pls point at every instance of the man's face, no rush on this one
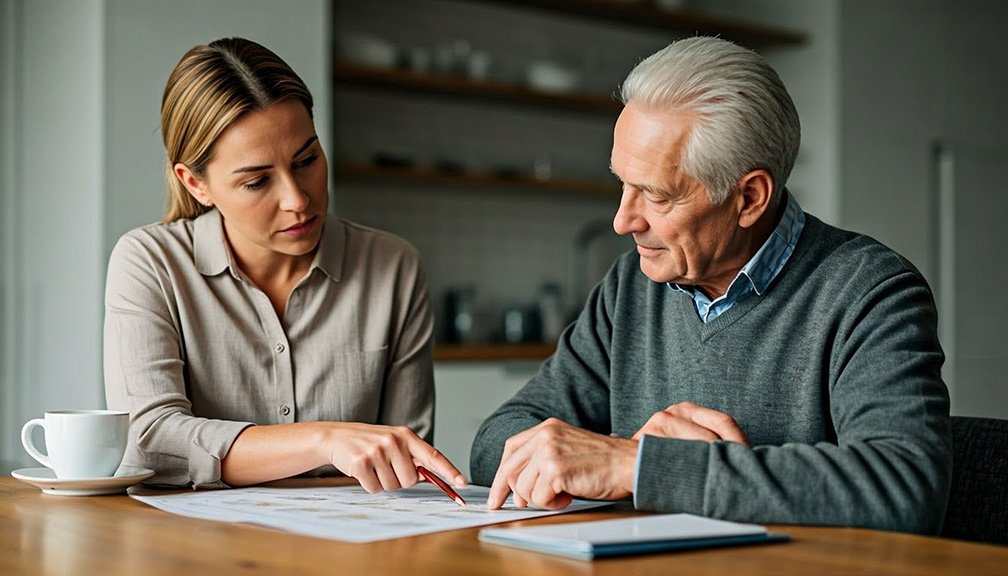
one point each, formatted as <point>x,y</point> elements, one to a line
<point>681,237</point>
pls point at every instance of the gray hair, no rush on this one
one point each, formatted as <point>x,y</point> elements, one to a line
<point>745,119</point>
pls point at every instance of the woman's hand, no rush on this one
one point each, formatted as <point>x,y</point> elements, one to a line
<point>379,457</point>
<point>384,457</point>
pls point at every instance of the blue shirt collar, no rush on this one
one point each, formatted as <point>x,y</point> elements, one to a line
<point>768,261</point>
<point>760,270</point>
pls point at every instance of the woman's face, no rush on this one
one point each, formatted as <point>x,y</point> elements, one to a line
<point>269,180</point>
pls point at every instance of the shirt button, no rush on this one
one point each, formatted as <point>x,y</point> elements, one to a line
<point>284,409</point>
<point>279,347</point>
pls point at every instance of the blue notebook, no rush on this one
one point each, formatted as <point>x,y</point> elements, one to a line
<point>634,535</point>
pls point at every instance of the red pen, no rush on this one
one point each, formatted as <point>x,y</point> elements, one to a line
<point>433,479</point>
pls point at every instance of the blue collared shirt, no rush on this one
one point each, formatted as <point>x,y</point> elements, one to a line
<point>759,271</point>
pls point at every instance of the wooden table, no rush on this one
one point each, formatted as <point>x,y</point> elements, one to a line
<point>44,534</point>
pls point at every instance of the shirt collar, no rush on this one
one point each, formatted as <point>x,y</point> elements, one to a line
<point>212,255</point>
<point>211,252</point>
<point>768,261</point>
<point>332,248</point>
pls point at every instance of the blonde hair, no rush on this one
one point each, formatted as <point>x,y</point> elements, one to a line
<point>212,86</point>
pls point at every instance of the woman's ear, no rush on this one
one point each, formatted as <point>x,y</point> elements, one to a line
<point>757,188</point>
<point>193,184</point>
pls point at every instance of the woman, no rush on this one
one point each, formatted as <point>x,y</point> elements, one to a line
<point>251,336</point>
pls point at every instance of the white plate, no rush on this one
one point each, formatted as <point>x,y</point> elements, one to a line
<point>45,478</point>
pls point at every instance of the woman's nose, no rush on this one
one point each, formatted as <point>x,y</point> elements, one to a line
<point>294,199</point>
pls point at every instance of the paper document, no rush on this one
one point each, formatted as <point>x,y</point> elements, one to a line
<point>637,535</point>
<point>348,512</point>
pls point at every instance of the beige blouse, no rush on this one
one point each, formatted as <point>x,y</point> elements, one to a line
<point>196,352</point>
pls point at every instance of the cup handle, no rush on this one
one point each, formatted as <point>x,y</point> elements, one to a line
<point>26,440</point>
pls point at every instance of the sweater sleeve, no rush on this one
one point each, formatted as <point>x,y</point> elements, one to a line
<point>572,385</point>
<point>890,464</point>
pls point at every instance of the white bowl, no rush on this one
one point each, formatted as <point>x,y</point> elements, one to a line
<point>549,76</point>
<point>367,50</point>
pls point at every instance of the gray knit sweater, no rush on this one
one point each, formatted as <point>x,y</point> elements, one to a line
<point>834,373</point>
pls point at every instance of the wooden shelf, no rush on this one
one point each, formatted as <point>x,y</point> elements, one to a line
<point>684,21</point>
<point>346,74</point>
<point>431,176</point>
<point>491,352</point>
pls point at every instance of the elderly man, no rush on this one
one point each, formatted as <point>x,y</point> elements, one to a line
<point>746,361</point>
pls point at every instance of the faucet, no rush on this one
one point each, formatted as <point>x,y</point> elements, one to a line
<point>585,237</point>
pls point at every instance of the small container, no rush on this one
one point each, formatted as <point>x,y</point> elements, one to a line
<point>542,167</point>
<point>478,65</point>
<point>521,324</point>
<point>460,315</point>
<point>420,59</point>
<point>551,312</point>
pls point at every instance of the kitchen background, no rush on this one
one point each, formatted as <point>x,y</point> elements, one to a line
<point>480,131</point>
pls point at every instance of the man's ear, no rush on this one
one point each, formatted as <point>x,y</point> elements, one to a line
<point>757,187</point>
<point>193,184</point>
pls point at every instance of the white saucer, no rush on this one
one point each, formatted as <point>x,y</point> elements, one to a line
<point>45,478</point>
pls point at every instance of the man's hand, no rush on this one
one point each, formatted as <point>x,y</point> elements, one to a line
<point>689,421</point>
<point>551,463</point>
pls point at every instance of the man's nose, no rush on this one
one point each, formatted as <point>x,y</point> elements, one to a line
<point>628,219</point>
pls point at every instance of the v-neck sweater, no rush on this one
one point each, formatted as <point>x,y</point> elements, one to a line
<point>834,374</point>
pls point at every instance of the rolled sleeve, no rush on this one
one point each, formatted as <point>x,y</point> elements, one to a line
<point>211,442</point>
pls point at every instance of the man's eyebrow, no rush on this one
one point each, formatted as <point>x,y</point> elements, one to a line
<point>297,153</point>
<point>654,190</point>
<point>645,187</point>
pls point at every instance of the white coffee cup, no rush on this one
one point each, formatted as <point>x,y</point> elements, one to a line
<point>80,443</point>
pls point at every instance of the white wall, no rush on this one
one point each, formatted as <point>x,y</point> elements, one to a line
<point>9,130</point>
<point>974,83</point>
<point>87,166</point>
<point>891,118</point>
<point>916,73</point>
<point>55,214</point>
